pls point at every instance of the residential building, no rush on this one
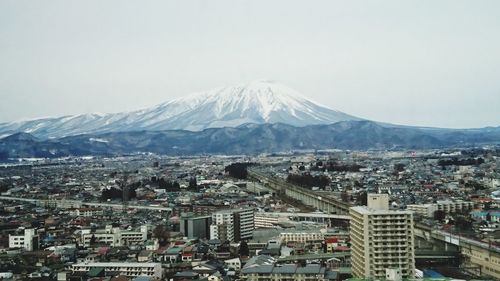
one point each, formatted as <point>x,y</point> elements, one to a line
<point>129,269</point>
<point>265,220</point>
<point>232,225</point>
<point>114,236</point>
<point>381,239</point>
<point>302,236</point>
<point>425,210</point>
<point>283,272</point>
<point>447,206</point>
<point>29,240</point>
<point>86,212</point>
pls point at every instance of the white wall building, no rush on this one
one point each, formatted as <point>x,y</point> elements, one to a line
<point>447,206</point>
<point>29,240</point>
<point>114,236</point>
<point>265,220</point>
<point>129,269</point>
<point>302,236</point>
<point>86,212</point>
<point>232,225</point>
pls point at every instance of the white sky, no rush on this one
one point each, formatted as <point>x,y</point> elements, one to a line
<point>423,62</point>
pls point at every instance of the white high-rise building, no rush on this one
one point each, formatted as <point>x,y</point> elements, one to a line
<point>381,239</point>
<point>232,225</point>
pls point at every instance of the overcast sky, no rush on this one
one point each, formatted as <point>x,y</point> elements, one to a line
<point>431,63</point>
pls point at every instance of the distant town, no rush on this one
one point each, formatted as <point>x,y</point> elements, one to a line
<point>306,215</point>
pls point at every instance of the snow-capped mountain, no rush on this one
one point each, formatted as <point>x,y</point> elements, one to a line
<point>257,102</point>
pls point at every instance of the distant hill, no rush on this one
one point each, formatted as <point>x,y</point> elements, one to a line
<point>249,139</point>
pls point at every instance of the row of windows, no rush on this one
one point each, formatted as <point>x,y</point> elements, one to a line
<point>87,268</point>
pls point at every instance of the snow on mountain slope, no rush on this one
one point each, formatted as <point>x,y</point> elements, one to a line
<point>256,102</point>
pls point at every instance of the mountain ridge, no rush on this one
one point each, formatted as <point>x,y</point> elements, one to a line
<point>250,139</point>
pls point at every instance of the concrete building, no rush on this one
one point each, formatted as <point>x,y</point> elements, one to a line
<point>447,206</point>
<point>265,220</point>
<point>86,212</point>
<point>129,269</point>
<point>381,239</point>
<point>232,225</point>
<point>222,226</point>
<point>195,226</point>
<point>425,210</point>
<point>114,236</point>
<point>244,224</point>
<point>29,241</point>
<point>283,272</point>
<point>302,236</point>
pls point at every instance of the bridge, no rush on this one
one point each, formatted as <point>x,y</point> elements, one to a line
<point>480,257</point>
<point>310,215</point>
<point>419,255</point>
<point>63,203</point>
<point>428,232</point>
<point>320,200</point>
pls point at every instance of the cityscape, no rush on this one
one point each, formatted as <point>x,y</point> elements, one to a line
<point>371,153</point>
<point>327,215</point>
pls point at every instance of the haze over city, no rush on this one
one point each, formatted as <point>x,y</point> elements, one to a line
<point>425,63</point>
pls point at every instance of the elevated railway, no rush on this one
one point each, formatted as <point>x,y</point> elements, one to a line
<point>319,200</point>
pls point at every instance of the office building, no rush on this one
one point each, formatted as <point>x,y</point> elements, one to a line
<point>195,226</point>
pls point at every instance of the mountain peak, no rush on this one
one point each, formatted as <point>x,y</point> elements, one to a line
<point>266,86</point>
<point>260,101</point>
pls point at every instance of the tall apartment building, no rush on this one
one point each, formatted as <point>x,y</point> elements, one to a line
<point>29,241</point>
<point>195,226</point>
<point>232,225</point>
<point>244,224</point>
<point>381,239</point>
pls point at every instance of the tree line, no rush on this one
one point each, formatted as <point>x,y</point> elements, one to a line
<point>333,166</point>
<point>307,180</point>
<point>461,162</point>
<point>238,170</point>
